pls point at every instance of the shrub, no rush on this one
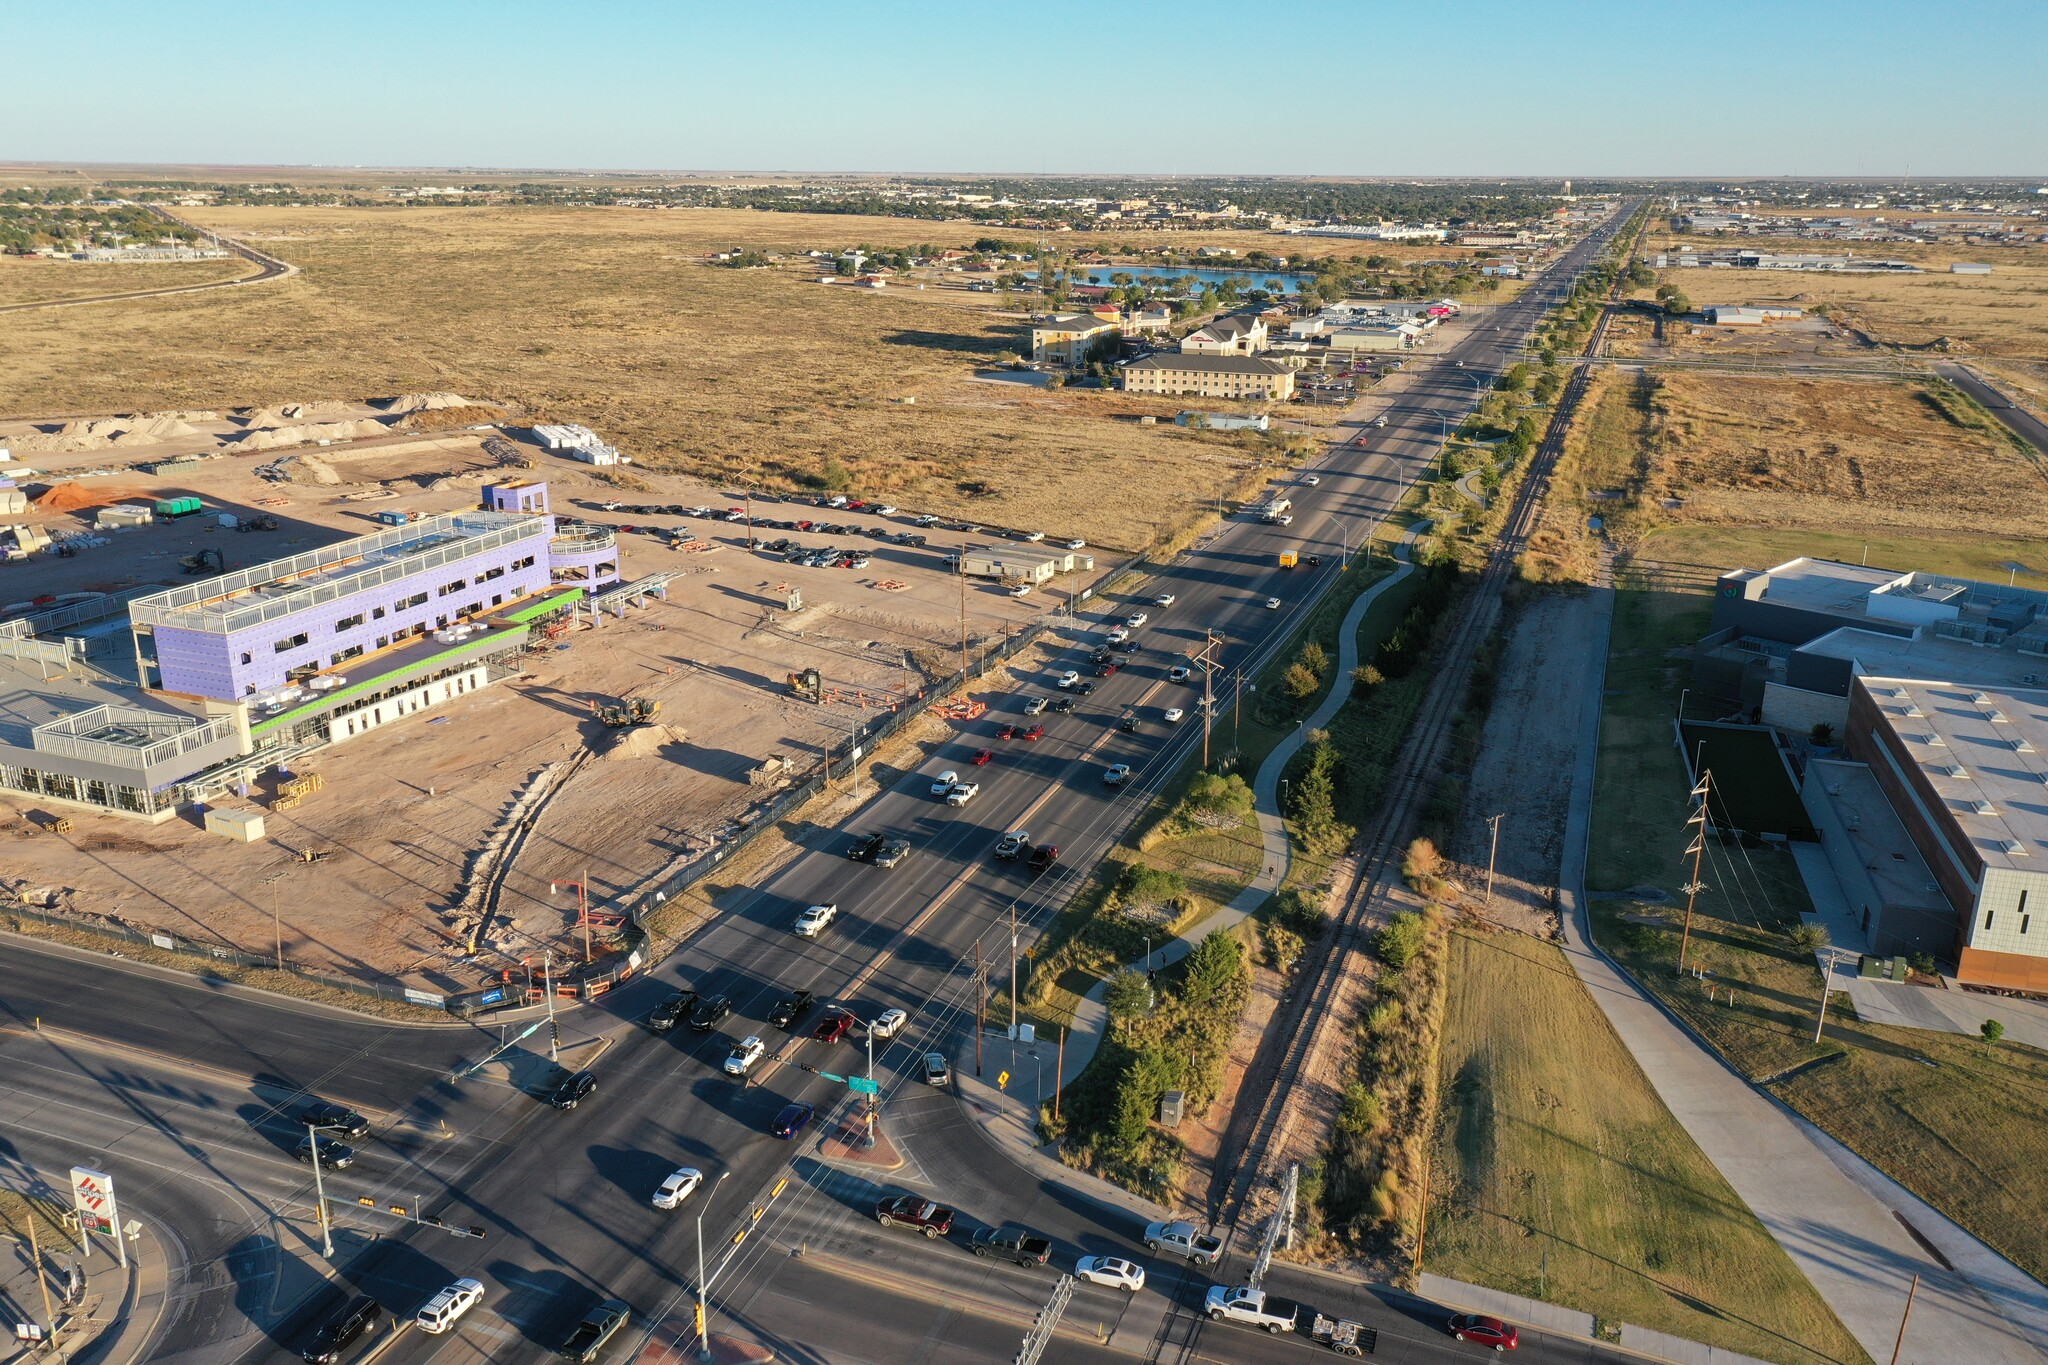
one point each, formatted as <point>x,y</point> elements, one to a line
<point>1808,938</point>
<point>1384,1019</point>
<point>1365,675</point>
<point>1300,682</point>
<point>1399,943</point>
<point>1283,947</point>
<point>1423,861</point>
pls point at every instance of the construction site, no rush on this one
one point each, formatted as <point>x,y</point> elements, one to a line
<point>211,652</point>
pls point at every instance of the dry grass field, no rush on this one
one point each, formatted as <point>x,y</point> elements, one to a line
<point>609,317</point>
<point>2003,314</point>
<point>30,279</point>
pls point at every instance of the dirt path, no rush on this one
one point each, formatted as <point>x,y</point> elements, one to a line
<point>1525,762</point>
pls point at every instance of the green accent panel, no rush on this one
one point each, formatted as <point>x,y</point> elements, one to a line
<point>542,608</point>
<point>432,661</point>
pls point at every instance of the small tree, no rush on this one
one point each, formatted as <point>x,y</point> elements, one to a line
<point>1808,938</point>
<point>1822,734</point>
<point>1129,995</point>
<point>1992,1031</point>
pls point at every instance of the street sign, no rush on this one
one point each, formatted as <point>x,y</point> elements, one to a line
<point>862,1085</point>
<point>1002,1080</point>
<point>830,1077</point>
<point>92,1194</point>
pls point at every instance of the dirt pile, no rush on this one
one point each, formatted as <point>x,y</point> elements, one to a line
<point>447,419</point>
<point>306,433</point>
<point>78,497</point>
<point>644,741</point>
<point>419,402</point>
<point>104,433</point>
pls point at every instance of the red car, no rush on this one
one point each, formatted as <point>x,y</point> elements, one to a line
<point>803,526</point>
<point>1043,857</point>
<point>1035,732</point>
<point>855,505</point>
<point>1486,1331</point>
<point>833,1027</point>
<point>1010,732</point>
<point>1106,669</point>
<point>915,1213</point>
<point>984,756</point>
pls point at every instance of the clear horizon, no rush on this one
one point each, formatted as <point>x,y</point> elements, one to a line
<point>1322,88</point>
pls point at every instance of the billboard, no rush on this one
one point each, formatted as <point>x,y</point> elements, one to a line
<point>92,1194</point>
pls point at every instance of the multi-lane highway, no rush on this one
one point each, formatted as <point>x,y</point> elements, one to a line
<point>563,1196</point>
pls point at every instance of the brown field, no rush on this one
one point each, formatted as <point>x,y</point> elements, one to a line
<point>30,279</point>
<point>2003,314</point>
<point>608,317</point>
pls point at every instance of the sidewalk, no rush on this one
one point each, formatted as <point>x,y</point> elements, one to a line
<point>117,1318</point>
<point>1832,1212</point>
<point>1009,1115</point>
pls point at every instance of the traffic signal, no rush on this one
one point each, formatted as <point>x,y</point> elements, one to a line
<point>699,1326</point>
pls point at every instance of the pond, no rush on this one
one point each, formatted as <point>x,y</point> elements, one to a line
<point>1246,279</point>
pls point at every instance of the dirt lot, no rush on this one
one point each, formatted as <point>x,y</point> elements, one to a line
<point>610,317</point>
<point>400,825</point>
<point>2003,314</point>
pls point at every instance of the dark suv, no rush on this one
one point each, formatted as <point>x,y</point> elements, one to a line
<point>671,1011</point>
<point>349,1325</point>
<point>709,1014</point>
<point>574,1089</point>
<point>337,1119</point>
<point>789,1009</point>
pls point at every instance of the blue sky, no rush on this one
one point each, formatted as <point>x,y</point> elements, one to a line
<point>1297,87</point>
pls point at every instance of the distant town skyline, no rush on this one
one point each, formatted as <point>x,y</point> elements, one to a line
<point>1203,87</point>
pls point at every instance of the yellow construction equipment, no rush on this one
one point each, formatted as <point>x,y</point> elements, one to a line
<point>632,711</point>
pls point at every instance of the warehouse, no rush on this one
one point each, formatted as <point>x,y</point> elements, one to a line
<point>1752,315</point>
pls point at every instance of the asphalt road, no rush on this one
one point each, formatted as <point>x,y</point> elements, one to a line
<point>563,1196</point>
<point>2018,420</point>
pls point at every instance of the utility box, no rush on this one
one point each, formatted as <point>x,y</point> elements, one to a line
<point>1172,1107</point>
<point>394,518</point>
<point>243,826</point>
<point>1900,969</point>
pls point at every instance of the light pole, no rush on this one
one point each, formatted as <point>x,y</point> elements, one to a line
<point>276,924</point>
<point>547,977</point>
<point>703,1289</point>
<point>319,1194</point>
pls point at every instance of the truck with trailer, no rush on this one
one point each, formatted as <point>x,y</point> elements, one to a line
<point>1253,1308</point>
<point>1274,508</point>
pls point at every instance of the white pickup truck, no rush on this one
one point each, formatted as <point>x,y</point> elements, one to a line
<point>1253,1308</point>
<point>1186,1241</point>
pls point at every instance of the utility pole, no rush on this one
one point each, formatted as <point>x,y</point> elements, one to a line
<point>1901,1340</point>
<point>960,570</point>
<point>547,976</point>
<point>1827,981</point>
<point>1058,1074</point>
<point>703,1289</point>
<point>35,1250</point>
<point>1493,855</point>
<point>980,999</point>
<point>319,1195</point>
<point>1698,850</point>
<point>276,923</point>
<point>1013,969</point>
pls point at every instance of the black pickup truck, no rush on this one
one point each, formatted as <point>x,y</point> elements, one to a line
<point>1013,1243</point>
<point>599,1326</point>
<point>789,1009</point>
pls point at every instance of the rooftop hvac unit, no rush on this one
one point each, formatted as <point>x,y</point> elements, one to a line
<point>1935,741</point>
<point>1998,718</point>
<point>1958,770</point>
<point>1984,808</point>
<point>1981,698</point>
<point>2014,848</point>
<point>2023,746</point>
<point>1915,711</point>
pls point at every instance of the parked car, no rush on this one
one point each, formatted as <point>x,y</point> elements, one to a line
<point>680,1185</point>
<point>709,1014</point>
<point>1486,1331</point>
<point>337,1119</point>
<point>792,1120</point>
<point>671,1011</point>
<point>1021,590</point>
<point>814,919</point>
<point>440,1313</point>
<point>1076,544</point>
<point>342,1329</point>
<point>833,1028</point>
<point>1015,844</point>
<point>789,1009</point>
<point>588,1337</point>
<point>1113,1271</point>
<point>943,784</point>
<point>888,1024</point>
<point>573,1089</point>
<point>336,1156</point>
<point>744,1054</point>
<point>936,1071</point>
<point>916,1213</point>
<point>962,793</point>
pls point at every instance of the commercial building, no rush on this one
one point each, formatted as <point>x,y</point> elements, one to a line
<point>1234,334</point>
<point>1751,315</point>
<point>1073,339</point>
<point>1210,376</point>
<point>1393,336</point>
<point>1969,268</point>
<point>578,443</point>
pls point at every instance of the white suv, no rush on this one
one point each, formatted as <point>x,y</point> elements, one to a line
<point>441,1311</point>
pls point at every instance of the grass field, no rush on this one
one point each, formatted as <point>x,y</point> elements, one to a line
<point>2004,313</point>
<point>27,279</point>
<point>1560,1174</point>
<point>1963,1127</point>
<point>609,317</point>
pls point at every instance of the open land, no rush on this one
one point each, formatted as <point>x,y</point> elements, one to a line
<point>34,279</point>
<point>400,826</point>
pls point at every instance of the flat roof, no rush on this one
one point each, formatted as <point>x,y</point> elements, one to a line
<point>1929,657</point>
<point>1882,845</point>
<point>1827,585</point>
<point>267,591</point>
<point>1984,749</point>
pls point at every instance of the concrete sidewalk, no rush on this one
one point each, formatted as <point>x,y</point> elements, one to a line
<point>1009,1114</point>
<point>1840,1219</point>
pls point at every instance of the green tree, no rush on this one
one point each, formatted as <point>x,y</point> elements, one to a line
<point>1129,995</point>
<point>1808,938</point>
<point>1678,304</point>
<point>1214,980</point>
<point>1992,1031</point>
<point>1401,941</point>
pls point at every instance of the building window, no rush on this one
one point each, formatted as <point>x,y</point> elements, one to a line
<point>348,623</point>
<point>383,640</point>
<point>418,599</point>
<point>377,613</point>
<point>2022,907</point>
<point>1989,915</point>
<point>287,645</point>
<point>457,586</point>
<point>2025,920</point>
<point>247,657</point>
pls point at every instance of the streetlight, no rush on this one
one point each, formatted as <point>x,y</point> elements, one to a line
<point>320,1192</point>
<point>703,1289</point>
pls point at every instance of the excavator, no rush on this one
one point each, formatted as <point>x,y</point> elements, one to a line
<point>632,711</point>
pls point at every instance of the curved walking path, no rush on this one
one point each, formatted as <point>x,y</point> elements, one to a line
<point>1837,1216</point>
<point>1008,1118</point>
